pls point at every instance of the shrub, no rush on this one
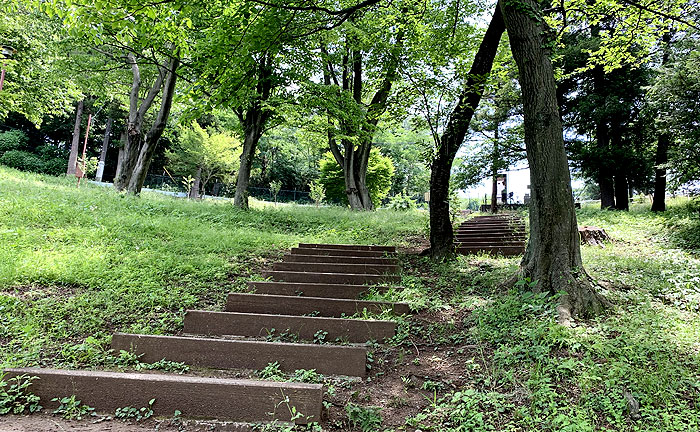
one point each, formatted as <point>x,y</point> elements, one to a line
<point>13,140</point>
<point>380,171</point>
<point>22,160</point>
<point>402,202</point>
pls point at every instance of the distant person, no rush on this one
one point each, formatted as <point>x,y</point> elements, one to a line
<point>510,197</point>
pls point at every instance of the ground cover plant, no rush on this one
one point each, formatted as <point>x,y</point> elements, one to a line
<point>475,356</point>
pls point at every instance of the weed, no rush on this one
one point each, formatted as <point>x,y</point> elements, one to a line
<point>71,408</point>
<point>367,419</point>
<point>138,414</point>
<point>17,399</point>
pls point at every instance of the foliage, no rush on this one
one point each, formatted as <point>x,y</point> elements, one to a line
<point>367,419</point>
<point>13,140</point>
<point>138,414</point>
<point>275,187</point>
<point>402,202</point>
<point>380,171</point>
<point>90,167</point>
<point>71,409</point>
<point>17,399</point>
<point>318,192</point>
<point>21,160</point>
<point>216,154</point>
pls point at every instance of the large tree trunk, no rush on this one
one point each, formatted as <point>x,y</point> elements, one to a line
<point>622,201</point>
<point>253,121</point>
<point>253,132</point>
<point>128,155</point>
<point>659,203</point>
<point>441,234</point>
<point>664,141</point>
<point>103,153</point>
<point>553,255</point>
<point>75,143</point>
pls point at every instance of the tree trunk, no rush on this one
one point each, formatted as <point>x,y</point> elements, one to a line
<point>441,234</point>
<point>75,143</point>
<point>253,132</point>
<point>494,172</point>
<point>145,155</point>
<point>103,153</point>
<point>621,190</point>
<point>659,203</point>
<point>607,191</point>
<point>602,137</point>
<point>194,190</point>
<point>553,255</point>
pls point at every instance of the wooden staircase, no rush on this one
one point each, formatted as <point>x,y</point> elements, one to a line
<point>497,235</point>
<point>309,294</point>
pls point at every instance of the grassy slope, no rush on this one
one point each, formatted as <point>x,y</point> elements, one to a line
<point>77,264</point>
<point>83,263</point>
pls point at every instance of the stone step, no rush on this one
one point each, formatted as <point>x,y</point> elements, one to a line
<point>376,269</point>
<point>332,278</point>
<point>306,328</point>
<point>293,305</point>
<point>495,250</point>
<point>244,354</point>
<point>195,397</point>
<point>340,252</point>
<point>338,259</point>
<point>376,248</point>
<point>340,291</point>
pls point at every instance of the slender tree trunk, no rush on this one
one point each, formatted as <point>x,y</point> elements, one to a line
<point>194,191</point>
<point>441,234</point>
<point>494,172</point>
<point>659,203</point>
<point>553,256</point>
<point>103,153</point>
<point>75,143</point>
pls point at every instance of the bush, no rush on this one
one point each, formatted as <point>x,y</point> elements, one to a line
<point>22,160</point>
<point>13,140</point>
<point>380,171</point>
<point>402,202</point>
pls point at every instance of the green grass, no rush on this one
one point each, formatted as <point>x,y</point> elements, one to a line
<point>78,264</point>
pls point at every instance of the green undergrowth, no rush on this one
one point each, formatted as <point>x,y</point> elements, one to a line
<point>635,368</point>
<point>79,264</point>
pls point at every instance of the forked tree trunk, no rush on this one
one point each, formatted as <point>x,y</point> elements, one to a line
<point>553,254</point>
<point>103,153</point>
<point>75,143</point>
<point>441,234</point>
<point>145,154</point>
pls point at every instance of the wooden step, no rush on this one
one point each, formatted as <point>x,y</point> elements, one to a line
<point>389,249</point>
<point>292,305</point>
<point>243,354</point>
<point>338,259</point>
<point>340,291</point>
<point>306,328</point>
<point>495,250</point>
<point>490,231</point>
<point>332,278</point>
<point>340,252</point>
<point>377,269</point>
<point>194,397</point>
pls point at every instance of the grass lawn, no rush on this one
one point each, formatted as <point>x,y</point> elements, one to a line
<point>76,265</point>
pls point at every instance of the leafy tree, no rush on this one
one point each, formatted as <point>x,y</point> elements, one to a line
<point>275,187</point>
<point>318,192</point>
<point>380,171</point>
<point>205,156</point>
